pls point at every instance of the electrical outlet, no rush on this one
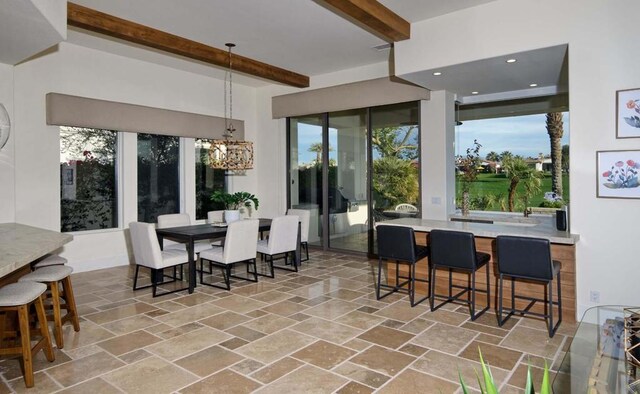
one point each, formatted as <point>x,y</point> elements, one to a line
<point>594,296</point>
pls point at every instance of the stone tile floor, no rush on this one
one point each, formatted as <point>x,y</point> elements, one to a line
<point>319,331</point>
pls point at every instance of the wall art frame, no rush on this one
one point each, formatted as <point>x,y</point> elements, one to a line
<point>617,174</point>
<point>628,113</point>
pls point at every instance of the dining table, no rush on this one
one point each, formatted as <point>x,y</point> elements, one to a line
<point>198,232</point>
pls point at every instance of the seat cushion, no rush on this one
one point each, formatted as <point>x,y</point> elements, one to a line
<point>263,246</point>
<point>52,273</point>
<point>175,246</point>
<point>482,258</point>
<point>173,257</point>
<point>21,293</point>
<point>50,260</point>
<point>421,252</point>
<point>200,246</point>
<point>212,254</point>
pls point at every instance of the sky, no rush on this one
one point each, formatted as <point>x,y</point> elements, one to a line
<point>521,135</point>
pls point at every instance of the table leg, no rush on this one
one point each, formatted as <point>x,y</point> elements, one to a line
<point>192,266</point>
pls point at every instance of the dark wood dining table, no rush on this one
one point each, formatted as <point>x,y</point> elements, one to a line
<point>190,234</point>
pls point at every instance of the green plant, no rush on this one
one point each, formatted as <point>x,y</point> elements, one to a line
<point>552,204</point>
<point>491,388</point>
<point>233,201</point>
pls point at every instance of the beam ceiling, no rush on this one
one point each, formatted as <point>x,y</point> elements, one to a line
<point>371,16</point>
<point>99,22</point>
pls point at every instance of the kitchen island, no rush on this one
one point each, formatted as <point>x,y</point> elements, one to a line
<point>562,249</point>
<point>21,244</point>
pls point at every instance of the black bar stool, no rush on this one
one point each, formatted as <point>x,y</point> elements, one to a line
<point>398,244</point>
<point>456,251</point>
<point>530,259</point>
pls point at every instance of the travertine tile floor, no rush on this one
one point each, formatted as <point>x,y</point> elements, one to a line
<point>317,331</point>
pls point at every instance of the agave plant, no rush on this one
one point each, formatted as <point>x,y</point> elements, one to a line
<point>489,386</point>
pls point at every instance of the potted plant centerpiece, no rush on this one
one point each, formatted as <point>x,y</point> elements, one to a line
<point>233,202</point>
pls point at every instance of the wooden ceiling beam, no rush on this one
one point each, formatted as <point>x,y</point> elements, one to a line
<point>373,17</point>
<point>99,22</point>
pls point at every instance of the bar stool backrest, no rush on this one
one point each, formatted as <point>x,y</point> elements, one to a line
<point>456,249</point>
<point>396,243</point>
<point>524,257</point>
<point>146,248</point>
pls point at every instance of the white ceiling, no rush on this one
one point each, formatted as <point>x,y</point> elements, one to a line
<point>304,37</point>
<point>298,35</point>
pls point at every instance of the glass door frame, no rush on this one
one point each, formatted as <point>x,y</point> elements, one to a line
<point>369,181</point>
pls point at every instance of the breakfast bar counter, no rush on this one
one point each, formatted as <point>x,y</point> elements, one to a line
<point>21,244</point>
<point>562,249</point>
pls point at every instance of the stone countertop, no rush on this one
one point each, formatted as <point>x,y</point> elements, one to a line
<point>542,229</point>
<point>21,244</point>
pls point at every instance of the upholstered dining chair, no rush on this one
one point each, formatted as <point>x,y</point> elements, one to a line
<point>282,241</point>
<point>147,253</point>
<point>177,220</point>
<point>239,247</point>
<point>305,217</point>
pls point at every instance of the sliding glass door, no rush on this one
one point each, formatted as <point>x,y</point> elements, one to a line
<point>362,165</point>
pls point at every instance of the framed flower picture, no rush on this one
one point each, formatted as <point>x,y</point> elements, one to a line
<point>628,113</point>
<point>618,173</point>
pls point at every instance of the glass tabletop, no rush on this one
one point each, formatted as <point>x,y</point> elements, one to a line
<point>595,361</point>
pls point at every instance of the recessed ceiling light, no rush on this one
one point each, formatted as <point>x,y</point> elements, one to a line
<point>474,92</point>
<point>533,85</point>
<point>512,60</point>
<point>437,73</point>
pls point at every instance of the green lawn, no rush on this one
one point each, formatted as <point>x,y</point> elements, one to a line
<point>498,185</point>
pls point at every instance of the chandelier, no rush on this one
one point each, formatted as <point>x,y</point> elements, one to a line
<point>228,153</point>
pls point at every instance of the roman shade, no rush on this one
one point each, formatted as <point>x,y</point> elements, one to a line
<point>371,93</point>
<point>66,110</point>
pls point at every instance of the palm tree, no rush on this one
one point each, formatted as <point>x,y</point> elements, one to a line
<point>517,170</point>
<point>492,156</point>
<point>554,128</point>
<point>505,155</point>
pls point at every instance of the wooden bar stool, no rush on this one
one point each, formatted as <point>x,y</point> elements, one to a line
<point>50,260</point>
<point>51,276</point>
<point>18,297</point>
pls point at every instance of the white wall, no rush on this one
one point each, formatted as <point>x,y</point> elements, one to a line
<point>7,174</point>
<point>601,61</point>
<point>437,156</point>
<point>90,73</point>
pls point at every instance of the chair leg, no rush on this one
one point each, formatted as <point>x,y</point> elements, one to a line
<point>27,360</point>
<point>44,330</point>
<point>71,303</point>
<point>379,278</point>
<point>473,295</point>
<point>135,278</point>
<point>57,319</point>
<point>500,292</point>
<point>432,288</point>
<point>228,277</point>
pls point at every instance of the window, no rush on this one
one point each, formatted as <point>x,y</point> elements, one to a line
<point>515,148</point>
<point>207,180</point>
<point>158,176</point>
<point>88,179</point>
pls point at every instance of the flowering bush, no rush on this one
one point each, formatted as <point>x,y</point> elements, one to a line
<point>622,175</point>
<point>634,120</point>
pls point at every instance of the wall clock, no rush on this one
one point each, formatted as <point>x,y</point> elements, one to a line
<point>5,126</point>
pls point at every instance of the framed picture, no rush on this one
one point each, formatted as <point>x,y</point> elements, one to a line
<point>628,113</point>
<point>617,172</point>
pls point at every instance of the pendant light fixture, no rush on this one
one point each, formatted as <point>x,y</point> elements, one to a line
<point>228,153</point>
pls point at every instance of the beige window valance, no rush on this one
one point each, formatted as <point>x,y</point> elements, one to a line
<point>66,110</point>
<point>371,93</point>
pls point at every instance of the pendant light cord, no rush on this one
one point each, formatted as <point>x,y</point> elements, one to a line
<point>229,120</point>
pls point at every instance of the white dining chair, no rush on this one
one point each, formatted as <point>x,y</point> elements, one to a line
<point>239,247</point>
<point>283,240</point>
<point>178,220</point>
<point>215,216</point>
<point>147,253</point>
<point>305,217</point>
